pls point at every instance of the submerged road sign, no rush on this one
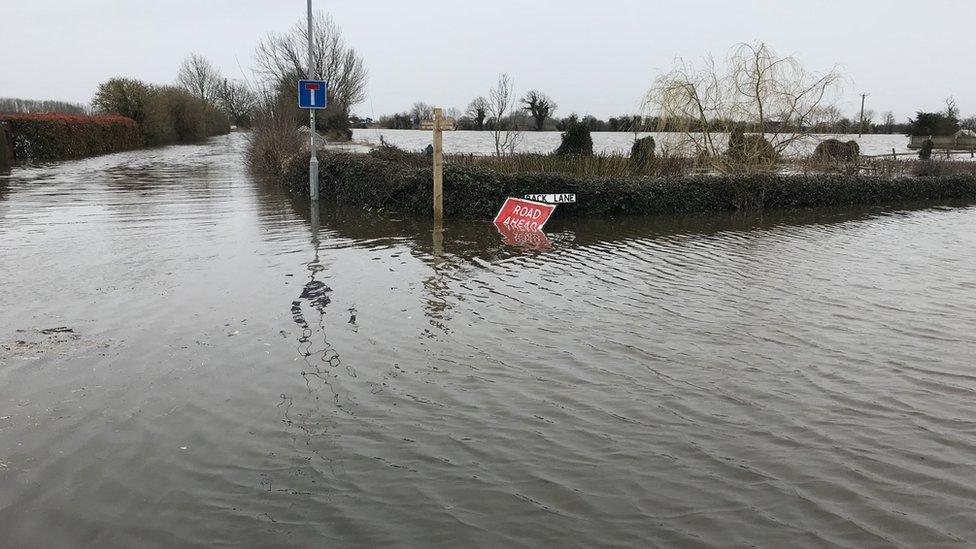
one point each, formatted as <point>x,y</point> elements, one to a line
<point>535,240</point>
<point>523,215</point>
<point>311,94</point>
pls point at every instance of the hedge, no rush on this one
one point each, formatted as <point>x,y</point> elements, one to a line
<point>58,136</point>
<point>477,193</point>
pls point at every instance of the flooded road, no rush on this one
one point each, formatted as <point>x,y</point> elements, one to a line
<point>482,142</point>
<point>189,357</point>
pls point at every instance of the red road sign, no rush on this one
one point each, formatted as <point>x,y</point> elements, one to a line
<point>312,86</point>
<point>523,215</point>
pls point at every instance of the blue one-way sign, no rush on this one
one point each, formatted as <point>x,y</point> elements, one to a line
<point>311,94</point>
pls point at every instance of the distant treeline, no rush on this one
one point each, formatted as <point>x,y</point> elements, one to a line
<point>531,117</point>
<point>634,123</point>
<point>14,105</point>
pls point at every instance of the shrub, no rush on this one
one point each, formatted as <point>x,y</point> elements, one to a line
<point>124,97</point>
<point>57,136</point>
<point>186,113</point>
<point>750,149</point>
<point>642,152</point>
<point>925,152</point>
<point>576,140</point>
<point>273,139</point>
<point>165,114</point>
<point>834,149</point>
<point>333,123</point>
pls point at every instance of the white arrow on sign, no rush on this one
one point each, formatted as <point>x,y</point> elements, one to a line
<point>311,88</point>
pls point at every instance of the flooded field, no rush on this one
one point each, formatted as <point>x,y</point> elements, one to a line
<point>190,357</point>
<point>472,142</point>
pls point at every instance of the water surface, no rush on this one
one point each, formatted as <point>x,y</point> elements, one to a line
<point>475,142</point>
<point>190,357</point>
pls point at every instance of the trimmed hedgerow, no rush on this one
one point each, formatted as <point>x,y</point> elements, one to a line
<point>57,136</point>
<point>477,193</point>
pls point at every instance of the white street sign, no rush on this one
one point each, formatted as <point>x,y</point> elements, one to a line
<point>564,198</point>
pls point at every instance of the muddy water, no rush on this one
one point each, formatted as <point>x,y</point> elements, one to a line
<point>189,357</point>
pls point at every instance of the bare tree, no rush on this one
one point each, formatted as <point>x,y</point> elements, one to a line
<point>952,109</point>
<point>200,77</point>
<point>867,121</point>
<point>419,112</point>
<point>889,121</point>
<point>478,111</point>
<point>238,101</point>
<point>757,90</point>
<point>282,56</point>
<point>540,106</point>
<point>501,100</point>
<point>826,118</point>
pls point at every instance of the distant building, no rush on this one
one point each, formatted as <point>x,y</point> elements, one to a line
<point>963,140</point>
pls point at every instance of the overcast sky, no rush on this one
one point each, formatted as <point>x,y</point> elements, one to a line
<point>591,56</point>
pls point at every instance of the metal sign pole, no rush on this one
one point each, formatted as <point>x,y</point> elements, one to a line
<point>313,161</point>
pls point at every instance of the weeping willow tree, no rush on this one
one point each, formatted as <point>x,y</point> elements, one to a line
<point>750,111</point>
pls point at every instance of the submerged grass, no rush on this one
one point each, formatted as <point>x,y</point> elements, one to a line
<point>886,167</point>
<point>597,165</point>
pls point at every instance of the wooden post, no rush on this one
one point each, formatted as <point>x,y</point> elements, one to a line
<point>4,165</point>
<point>438,168</point>
<point>894,155</point>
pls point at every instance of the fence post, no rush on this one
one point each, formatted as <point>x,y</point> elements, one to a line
<point>438,168</point>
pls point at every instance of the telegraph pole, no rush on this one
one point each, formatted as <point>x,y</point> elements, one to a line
<point>313,161</point>
<point>860,129</point>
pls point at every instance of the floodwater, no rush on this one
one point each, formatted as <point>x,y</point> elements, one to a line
<point>473,142</point>
<point>191,358</point>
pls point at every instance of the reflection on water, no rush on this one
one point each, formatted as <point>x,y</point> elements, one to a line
<point>271,374</point>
